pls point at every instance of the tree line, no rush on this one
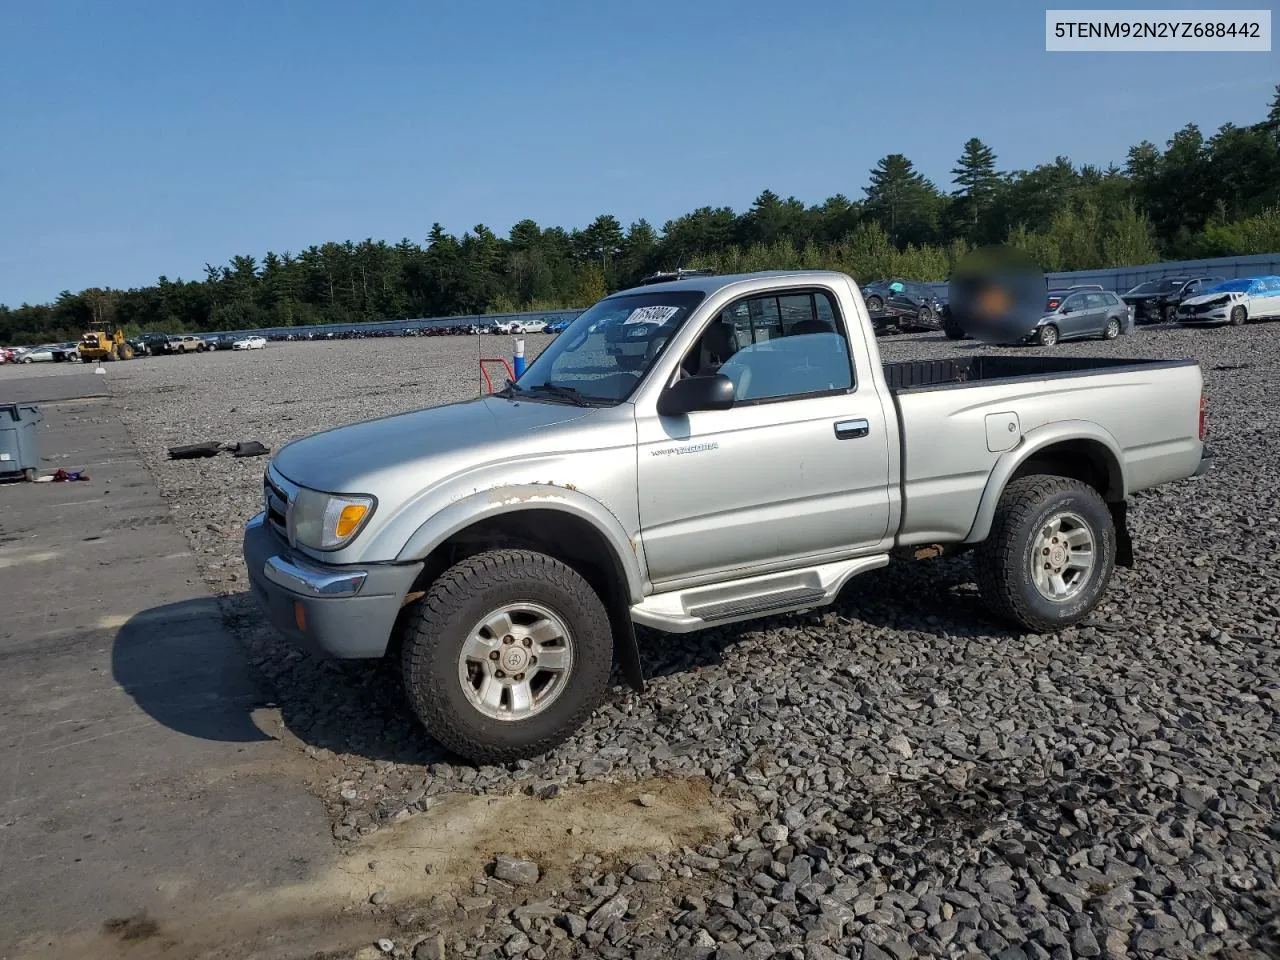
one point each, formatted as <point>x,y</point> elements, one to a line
<point>1196,197</point>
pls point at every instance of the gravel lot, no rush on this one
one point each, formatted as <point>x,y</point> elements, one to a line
<point>904,776</point>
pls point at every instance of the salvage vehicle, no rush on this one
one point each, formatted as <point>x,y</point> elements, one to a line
<point>1085,313</point>
<point>903,304</point>
<point>1234,302</point>
<point>187,343</point>
<point>250,343</point>
<point>1156,301</point>
<point>501,550</point>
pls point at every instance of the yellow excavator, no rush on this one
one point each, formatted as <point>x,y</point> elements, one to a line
<point>102,343</point>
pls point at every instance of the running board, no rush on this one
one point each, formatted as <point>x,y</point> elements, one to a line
<point>682,611</point>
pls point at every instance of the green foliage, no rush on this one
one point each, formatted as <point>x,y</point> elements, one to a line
<point>1195,197</point>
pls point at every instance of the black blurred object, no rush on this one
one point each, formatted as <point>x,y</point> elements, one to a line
<point>997,294</point>
<point>191,451</point>
<point>248,448</point>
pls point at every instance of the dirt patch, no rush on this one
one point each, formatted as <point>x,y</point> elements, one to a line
<point>461,833</point>
<point>437,851</point>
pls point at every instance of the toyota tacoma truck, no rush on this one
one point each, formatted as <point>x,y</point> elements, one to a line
<point>500,551</point>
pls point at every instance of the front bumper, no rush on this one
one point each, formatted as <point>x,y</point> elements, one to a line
<point>1216,315</point>
<point>336,611</point>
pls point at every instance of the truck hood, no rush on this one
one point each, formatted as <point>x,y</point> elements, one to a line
<point>351,459</point>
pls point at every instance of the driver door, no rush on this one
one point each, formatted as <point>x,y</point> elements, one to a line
<point>1073,316</point>
<point>794,472</point>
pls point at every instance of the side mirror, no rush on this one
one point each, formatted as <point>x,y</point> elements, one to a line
<point>696,393</point>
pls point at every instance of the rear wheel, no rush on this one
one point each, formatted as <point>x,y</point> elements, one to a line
<point>1238,316</point>
<point>29,474</point>
<point>1170,313</point>
<point>506,656</point>
<point>1047,335</point>
<point>1050,554</point>
<point>1112,329</point>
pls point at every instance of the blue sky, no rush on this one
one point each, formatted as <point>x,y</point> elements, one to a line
<point>142,139</point>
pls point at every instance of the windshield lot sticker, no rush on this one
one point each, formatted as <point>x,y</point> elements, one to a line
<point>691,448</point>
<point>659,314</point>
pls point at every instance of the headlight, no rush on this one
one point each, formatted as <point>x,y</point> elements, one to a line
<point>325,521</point>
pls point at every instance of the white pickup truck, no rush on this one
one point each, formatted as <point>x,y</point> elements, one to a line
<point>756,456</point>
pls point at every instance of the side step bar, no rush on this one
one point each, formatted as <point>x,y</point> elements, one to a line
<point>682,611</point>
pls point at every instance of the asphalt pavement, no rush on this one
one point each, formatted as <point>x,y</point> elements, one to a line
<point>135,776</point>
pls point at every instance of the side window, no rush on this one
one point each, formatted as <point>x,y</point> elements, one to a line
<point>1073,302</point>
<point>799,350</point>
<point>1096,301</point>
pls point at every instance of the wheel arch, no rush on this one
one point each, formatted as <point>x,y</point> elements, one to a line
<point>570,528</point>
<point>1080,450</point>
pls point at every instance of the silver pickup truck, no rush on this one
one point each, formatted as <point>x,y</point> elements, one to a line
<point>694,453</point>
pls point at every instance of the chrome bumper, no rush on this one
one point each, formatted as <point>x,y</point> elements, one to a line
<point>293,574</point>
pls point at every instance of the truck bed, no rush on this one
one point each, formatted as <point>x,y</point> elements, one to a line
<point>911,376</point>
<point>958,416</point>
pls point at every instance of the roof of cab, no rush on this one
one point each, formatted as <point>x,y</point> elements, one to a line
<point>712,283</point>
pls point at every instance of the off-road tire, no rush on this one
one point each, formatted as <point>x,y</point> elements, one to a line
<point>1238,316</point>
<point>440,622</point>
<point>1002,562</point>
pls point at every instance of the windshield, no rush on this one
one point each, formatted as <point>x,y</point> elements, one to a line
<point>606,351</point>
<point>1157,286</point>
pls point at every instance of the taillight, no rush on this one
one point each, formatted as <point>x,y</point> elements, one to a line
<point>1204,405</point>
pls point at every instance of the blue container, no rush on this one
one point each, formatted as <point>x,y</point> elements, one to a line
<point>18,451</point>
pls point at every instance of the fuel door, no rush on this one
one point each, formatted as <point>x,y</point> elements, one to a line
<point>1003,432</point>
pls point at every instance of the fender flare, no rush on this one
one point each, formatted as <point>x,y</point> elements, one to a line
<point>1034,442</point>
<point>514,498</point>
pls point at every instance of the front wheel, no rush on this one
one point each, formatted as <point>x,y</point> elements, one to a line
<point>1047,336</point>
<point>507,655</point>
<point>1238,316</point>
<point>925,318</point>
<point>1050,554</point>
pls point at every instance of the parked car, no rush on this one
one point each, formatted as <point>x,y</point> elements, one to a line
<point>250,343</point>
<point>505,546</point>
<point>7,354</point>
<point>903,304</point>
<point>41,354</point>
<point>517,327</point>
<point>1234,302</point>
<point>1156,301</point>
<point>187,343</point>
<point>157,343</point>
<point>1085,313</point>
<point>556,326</point>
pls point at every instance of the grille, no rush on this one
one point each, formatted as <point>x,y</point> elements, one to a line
<point>277,503</point>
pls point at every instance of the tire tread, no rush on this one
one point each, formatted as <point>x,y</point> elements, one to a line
<point>454,588</point>
<point>997,557</point>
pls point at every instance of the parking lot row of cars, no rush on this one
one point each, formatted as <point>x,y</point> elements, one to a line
<point>146,345</point>
<point>1088,310</point>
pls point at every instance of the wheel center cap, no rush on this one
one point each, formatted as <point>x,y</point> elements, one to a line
<point>515,659</point>
<point>1057,557</point>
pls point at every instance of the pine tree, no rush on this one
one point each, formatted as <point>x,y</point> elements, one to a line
<point>976,179</point>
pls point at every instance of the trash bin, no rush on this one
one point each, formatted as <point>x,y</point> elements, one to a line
<point>18,452</point>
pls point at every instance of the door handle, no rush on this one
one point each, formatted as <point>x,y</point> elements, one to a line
<point>852,429</point>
